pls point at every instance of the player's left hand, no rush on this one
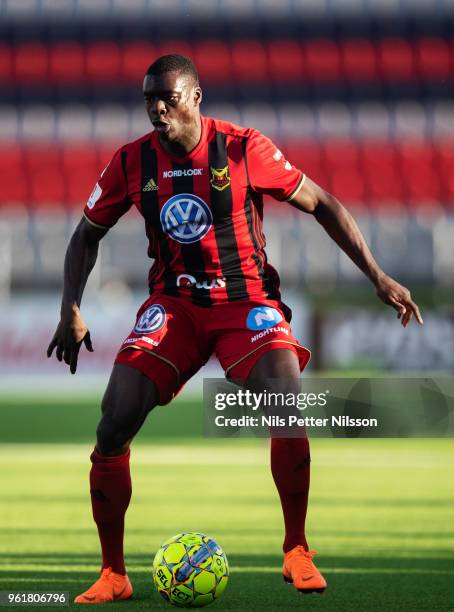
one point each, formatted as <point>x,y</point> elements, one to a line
<point>399,297</point>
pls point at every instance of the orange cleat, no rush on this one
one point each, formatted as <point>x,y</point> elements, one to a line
<point>300,571</point>
<point>109,587</point>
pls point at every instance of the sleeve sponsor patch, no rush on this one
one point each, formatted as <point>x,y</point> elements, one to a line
<point>95,195</point>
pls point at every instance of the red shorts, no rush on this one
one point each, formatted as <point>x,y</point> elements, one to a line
<point>173,338</point>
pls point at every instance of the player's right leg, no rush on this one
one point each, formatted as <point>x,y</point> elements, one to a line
<point>165,348</point>
<point>129,397</point>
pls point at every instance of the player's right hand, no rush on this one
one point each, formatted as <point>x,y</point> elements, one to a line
<point>71,332</point>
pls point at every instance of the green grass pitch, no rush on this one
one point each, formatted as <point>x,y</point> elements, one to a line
<point>380,514</point>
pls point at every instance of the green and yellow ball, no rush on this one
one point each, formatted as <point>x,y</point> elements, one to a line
<point>190,569</point>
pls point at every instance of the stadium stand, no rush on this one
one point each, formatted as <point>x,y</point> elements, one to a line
<point>356,93</point>
<point>422,60</point>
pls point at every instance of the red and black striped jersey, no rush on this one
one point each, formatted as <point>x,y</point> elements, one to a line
<point>203,213</point>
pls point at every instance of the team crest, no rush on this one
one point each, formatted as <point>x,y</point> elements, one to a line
<point>220,178</point>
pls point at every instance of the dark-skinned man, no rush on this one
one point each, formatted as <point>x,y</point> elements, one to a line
<point>199,184</point>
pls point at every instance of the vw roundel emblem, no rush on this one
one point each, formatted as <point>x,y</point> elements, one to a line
<point>186,218</point>
<point>151,320</point>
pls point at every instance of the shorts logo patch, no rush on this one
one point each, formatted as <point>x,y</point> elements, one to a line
<point>186,218</point>
<point>151,320</point>
<point>263,317</point>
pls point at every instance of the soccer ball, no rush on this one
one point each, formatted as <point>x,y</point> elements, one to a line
<point>190,569</point>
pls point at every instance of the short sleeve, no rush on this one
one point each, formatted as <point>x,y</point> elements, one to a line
<point>109,199</point>
<point>269,172</point>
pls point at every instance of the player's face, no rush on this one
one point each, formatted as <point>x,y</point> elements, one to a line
<point>172,102</point>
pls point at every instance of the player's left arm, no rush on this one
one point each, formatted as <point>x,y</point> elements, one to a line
<point>343,229</point>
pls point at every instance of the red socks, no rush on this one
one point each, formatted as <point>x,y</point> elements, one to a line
<point>290,466</point>
<point>110,488</point>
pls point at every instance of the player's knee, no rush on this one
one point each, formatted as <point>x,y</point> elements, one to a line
<point>275,366</point>
<point>110,436</point>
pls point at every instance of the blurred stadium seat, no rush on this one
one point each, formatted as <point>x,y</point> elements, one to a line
<point>322,60</point>
<point>359,60</point>
<point>15,189</point>
<point>285,60</point>
<point>135,59</point>
<point>67,63</point>
<point>341,60</point>
<point>31,62</point>
<point>433,59</point>
<point>81,167</point>
<point>103,62</point>
<point>213,60</point>
<point>395,59</point>
<point>74,122</point>
<point>249,61</point>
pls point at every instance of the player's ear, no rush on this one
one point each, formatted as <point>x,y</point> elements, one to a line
<point>197,95</point>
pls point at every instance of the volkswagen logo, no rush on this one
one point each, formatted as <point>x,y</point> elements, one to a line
<point>186,218</point>
<point>151,320</point>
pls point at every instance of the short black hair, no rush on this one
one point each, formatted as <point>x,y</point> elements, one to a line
<point>174,63</point>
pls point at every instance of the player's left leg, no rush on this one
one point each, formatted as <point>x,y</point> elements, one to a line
<point>255,345</point>
<point>278,371</point>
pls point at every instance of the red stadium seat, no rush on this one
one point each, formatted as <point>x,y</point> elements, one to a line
<point>448,192</point>
<point>6,63</point>
<point>81,170</point>
<point>421,182</point>
<point>343,176</point>
<point>308,157</point>
<point>341,154</point>
<point>249,61</point>
<point>42,167</point>
<point>105,152</point>
<point>213,61</point>
<point>175,46</point>
<point>422,186</point>
<point>135,59</point>
<point>376,156</point>
<point>444,166</point>
<point>359,60</point>
<point>322,60</point>
<point>12,178</point>
<point>444,156</point>
<point>347,185</point>
<point>103,62</point>
<point>47,189</point>
<point>396,61</point>
<point>66,63</point>
<point>285,61</point>
<point>31,62</point>
<point>432,59</point>
<point>381,175</point>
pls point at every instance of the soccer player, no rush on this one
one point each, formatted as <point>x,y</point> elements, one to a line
<point>199,184</point>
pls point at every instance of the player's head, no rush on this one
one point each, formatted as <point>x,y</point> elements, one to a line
<point>172,96</point>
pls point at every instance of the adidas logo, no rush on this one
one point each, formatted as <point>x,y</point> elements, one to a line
<point>150,186</point>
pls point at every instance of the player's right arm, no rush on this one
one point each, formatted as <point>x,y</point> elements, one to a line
<point>107,203</point>
<point>80,259</point>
